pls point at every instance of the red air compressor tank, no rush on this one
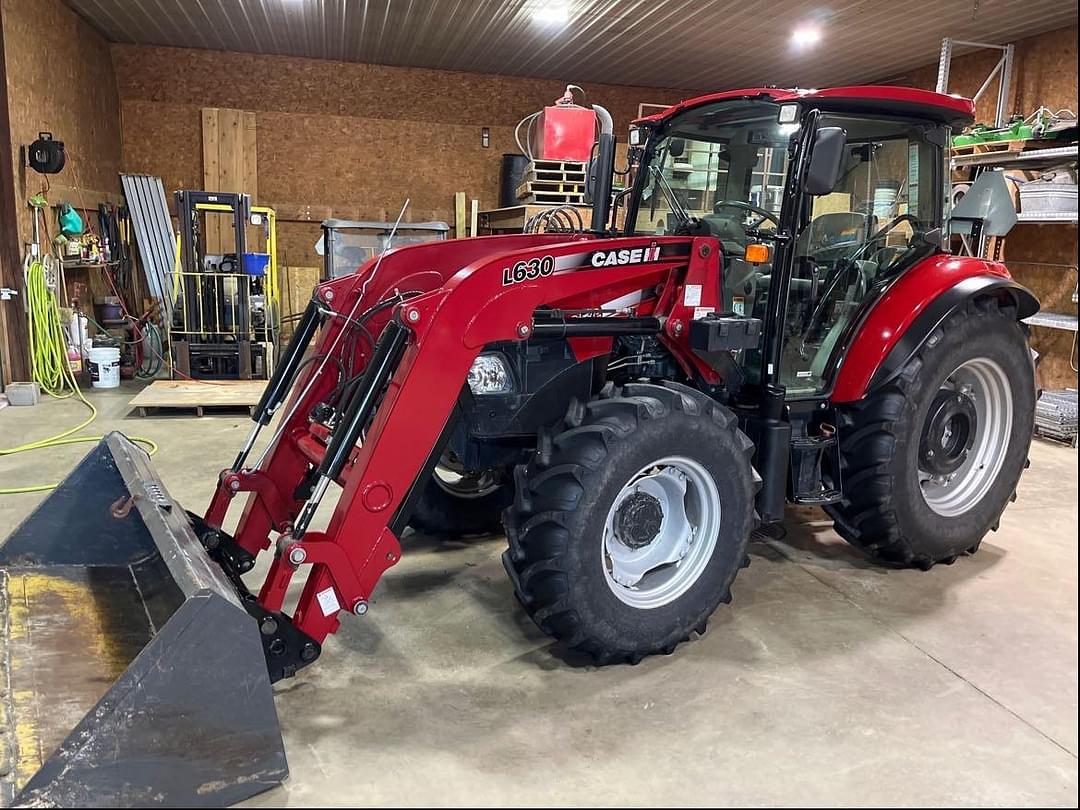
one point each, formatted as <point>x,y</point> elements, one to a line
<point>563,131</point>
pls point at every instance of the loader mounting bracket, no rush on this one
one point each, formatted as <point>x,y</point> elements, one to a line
<point>223,549</point>
<point>287,648</point>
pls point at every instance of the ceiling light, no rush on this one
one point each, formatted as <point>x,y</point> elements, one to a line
<point>806,36</point>
<point>551,13</point>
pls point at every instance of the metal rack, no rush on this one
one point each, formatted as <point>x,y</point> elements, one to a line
<point>1003,67</point>
<point>1049,320</point>
<point>1055,415</point>
<point>1033,158</point>
<point>1047,218</point>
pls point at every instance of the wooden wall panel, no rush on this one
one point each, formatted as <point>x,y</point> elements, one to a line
<point>348,140</point>
<point>61,79</point>
<point>229,163</point>
<point>1027,249</point>
<point>164,140</point>
<point>1044,74</point>
<point>296,243</point>
<point>322,87</point>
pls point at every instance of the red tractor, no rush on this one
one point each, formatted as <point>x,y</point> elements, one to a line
<point>775,318</point>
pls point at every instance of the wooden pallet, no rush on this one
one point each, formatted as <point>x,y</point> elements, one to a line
<point>554,198</point>
<point>542,175</point>
<point>989,147</point>
<point>532,187</point>
<point>565,171</point>
<point>513,219</point>
<point>219,396</point>
<point>557,165</point>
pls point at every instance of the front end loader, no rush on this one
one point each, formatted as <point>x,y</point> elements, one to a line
<point>771,314</point>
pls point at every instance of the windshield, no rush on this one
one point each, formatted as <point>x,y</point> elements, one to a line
<point>725,164</point>
<point>721,170</point>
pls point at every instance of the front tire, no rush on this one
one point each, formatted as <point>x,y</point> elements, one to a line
<point>461,504</point>
<point>631,523</point>
<point>930,461</point>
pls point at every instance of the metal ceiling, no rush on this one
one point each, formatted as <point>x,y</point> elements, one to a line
<point>692,44</point>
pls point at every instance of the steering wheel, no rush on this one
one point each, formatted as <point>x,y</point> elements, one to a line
<point>882,232</point>
<point>847,265</point>
<point>762,214</point>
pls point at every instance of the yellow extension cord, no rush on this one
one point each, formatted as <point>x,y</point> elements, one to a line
<point>50,369</point>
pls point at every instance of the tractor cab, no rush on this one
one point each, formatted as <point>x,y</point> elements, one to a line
<point>726,166</point>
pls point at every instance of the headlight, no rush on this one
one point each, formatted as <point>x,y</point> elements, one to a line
<point>490,375</point>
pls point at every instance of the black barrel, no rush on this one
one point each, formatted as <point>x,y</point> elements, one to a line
<point>511,175</point>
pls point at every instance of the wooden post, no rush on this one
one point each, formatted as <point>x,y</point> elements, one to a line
<point>474,215</point>
<point>459,214</point>
<point>14,339</point>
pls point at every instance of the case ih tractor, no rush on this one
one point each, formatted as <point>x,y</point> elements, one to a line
<point>769,315</point>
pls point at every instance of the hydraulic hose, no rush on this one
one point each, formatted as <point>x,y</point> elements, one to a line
<point>50,369</point>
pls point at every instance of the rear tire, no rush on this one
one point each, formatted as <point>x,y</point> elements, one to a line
<point>458,509</point>
<point>668,449</point>
<point>923,479</point>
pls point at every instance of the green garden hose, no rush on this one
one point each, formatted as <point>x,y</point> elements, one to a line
<point>50,369</point>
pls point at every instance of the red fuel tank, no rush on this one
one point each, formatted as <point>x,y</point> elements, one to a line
<point>563,132</point>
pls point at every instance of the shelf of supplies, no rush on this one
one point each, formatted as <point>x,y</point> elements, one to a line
<point>1047,217</point>
<point>69,265</point>
<point>1057,154</point>
<point>1053,320</point>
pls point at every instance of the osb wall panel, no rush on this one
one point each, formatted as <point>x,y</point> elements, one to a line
<point>1054,286</point>
<point>349,140</point>
<point>296,244</point>
<point>61,80</point>
<point>164,140</point>
<point>375,163</point>
<point>1044,73</point>
<point>313,86</point>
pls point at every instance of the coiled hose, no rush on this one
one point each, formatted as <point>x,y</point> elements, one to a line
<point>50,369</point>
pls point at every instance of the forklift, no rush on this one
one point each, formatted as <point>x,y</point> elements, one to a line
<point>225,320</point>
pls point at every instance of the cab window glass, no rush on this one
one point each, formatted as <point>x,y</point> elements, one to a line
<point>863,233</point>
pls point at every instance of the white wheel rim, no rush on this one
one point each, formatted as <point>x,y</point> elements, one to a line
<point>986,383</point>
<point>659,572</point>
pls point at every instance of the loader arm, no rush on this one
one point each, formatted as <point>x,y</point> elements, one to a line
<point>277,473</point>
<point>405,398</point>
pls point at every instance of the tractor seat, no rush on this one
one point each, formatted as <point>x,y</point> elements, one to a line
<point>830,230</point>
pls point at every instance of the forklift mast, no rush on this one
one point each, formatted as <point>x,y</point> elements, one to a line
<point>221,330</point>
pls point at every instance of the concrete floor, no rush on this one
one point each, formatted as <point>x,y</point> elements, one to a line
<point>828,680</point>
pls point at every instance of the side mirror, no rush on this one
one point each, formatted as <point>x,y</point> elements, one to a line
<point>676,147</point>
<point>826,160</point>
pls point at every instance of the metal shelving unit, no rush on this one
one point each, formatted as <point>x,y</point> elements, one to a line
<point>1032,158</point>
<point>1053,320</point>
<point>1045,319</point>
<point>1047,217</point>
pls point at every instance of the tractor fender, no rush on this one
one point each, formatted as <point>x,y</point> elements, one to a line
<point>909,311</point>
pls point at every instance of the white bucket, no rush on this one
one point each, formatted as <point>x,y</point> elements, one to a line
<point>886,199</point>
<point>104,367</point>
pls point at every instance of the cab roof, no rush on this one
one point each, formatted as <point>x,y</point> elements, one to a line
<point>888,99</point>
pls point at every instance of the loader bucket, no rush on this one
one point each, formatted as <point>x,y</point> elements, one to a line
<point>133,675</point>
